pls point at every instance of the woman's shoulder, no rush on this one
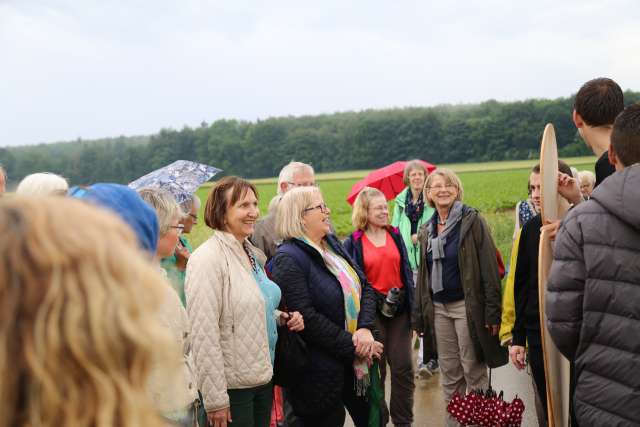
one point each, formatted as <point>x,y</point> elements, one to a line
<point>355,236</point>
<point>394,231</point>
<point>209,256</point>
<point>401,197</point>
<point>291,248</point>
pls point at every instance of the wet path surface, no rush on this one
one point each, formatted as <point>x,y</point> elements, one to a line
<point>429,408</point>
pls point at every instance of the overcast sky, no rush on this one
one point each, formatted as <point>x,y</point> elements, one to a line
<point>98,68</point>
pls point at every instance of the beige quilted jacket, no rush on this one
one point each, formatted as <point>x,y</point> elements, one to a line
<point>226,310</point>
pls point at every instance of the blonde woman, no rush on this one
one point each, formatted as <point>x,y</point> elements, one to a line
<point>232,305</point>
<point>379,251</point>
<point>410,212</point>
<point>319,279</point>
<point>78,318</point>
<point>458,293</point>
<point>43,184</point>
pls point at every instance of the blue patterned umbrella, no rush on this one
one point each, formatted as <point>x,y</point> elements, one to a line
<point>181,178</point>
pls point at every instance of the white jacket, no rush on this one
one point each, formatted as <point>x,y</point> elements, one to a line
<point>173,387</point>
<point>227,313</point>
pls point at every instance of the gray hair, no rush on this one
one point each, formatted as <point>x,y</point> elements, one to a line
<point>588,175</point>
<point>188,204</point>
<point>43,184</point>
<point>165,205</point>
<point>288,172</point>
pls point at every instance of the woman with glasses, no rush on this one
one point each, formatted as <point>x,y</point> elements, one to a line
<point>458,293</point>
<point>379,251</point>
<point>232,305</point>
<point>176,264</point>
<point>409,213</point>
<point>318,278</point>
<point>179,402</point>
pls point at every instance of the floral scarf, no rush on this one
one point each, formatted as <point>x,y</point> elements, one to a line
<point>351,290</point>
<point>414,212</point>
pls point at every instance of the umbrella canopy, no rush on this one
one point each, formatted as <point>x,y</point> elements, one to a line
<point>181,178</point>
<point>387,179</point>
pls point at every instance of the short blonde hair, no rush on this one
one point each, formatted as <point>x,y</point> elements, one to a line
<point>43,184</point>
<point>165,205</point>
<point>360,214</point>
<point>449,177</point>
<point>588,175</point>
<point>291,210</point>
<point>79,313</point>
<point>410,166</point>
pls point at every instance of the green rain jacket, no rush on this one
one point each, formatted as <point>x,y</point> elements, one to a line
<point>402,221</point>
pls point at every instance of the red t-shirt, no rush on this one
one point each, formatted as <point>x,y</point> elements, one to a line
<point>382,265</point>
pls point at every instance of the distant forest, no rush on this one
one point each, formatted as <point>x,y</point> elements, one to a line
<point>342,141</point>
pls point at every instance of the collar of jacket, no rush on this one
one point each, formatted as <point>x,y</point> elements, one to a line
<point>331,240</point>
<point>227,239</point>
<point>336,246</point>
<point>402,197</point>
<point>357,235</point>
<point>469,215</point>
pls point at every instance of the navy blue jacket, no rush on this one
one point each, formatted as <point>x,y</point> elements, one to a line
<point>310,288</point>
<point>353,245</point>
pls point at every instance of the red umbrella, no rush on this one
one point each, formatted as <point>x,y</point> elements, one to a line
<point>387,179</point>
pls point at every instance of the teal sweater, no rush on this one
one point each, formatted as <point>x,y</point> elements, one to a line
<point>271,293</point>
<point>402,221</point>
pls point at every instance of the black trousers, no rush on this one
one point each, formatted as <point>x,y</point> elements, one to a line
<point>358,408</point>
<point>536,361</point>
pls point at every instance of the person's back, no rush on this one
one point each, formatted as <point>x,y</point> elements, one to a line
<point>593,292</point>
<point>607,322</point>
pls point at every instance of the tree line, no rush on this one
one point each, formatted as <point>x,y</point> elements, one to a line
<point>333,142</point>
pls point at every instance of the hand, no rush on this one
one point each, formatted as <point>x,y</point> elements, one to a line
<point>493,329</point>
<point>219,418</point>
<point>377,349</point>
<point>569,188</point>
<point>517,355</point>
<point>414,239</point>
<point>294,321</point>
<point>551,228</point>
<point>182,256</point>
<point>363,341</point>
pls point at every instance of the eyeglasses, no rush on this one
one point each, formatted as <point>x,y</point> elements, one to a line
<point>443,187</point>
<point>293,184</point>
<point>323,208</point>
<point>179,227</point>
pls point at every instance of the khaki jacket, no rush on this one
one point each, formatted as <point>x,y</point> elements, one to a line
<point>481,285</point>
<point>227,313</point>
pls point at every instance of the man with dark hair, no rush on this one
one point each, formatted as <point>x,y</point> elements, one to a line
<point>597,104</point>
<point>526,328</point>
<point>593,291</point>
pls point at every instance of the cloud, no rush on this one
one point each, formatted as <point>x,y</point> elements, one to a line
<point>93,69</point>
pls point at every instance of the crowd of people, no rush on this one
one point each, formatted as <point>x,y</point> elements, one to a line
<point>108,316</point>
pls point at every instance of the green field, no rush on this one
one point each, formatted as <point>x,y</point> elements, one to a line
<point>493,188</point>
